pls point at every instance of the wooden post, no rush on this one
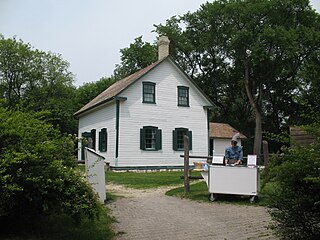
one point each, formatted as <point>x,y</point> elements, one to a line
<point>265,152</point>
<point>186,164</point>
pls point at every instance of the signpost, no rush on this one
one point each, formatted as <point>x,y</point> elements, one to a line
<point>186,164</point>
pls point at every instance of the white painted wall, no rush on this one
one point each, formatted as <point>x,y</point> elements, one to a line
<point>165,115</point>
<point>102,117</point>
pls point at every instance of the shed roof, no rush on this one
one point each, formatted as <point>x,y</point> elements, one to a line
<point>223,130</point>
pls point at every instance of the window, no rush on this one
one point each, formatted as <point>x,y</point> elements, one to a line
<point>178,141</point>
<point>150,138</point>
<point>183,96</point>
<point>88,140</point>
<point>103,140</point>
<point>149,92</point>
<point>93,137</point>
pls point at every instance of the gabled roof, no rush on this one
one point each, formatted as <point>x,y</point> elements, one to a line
<point>114,90</point>
<point>111,92</point>
<point>223,130</point>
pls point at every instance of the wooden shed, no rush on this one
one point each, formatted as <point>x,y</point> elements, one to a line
<point>220,137</point>
<point>300,136</point>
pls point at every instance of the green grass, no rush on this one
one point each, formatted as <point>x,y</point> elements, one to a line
<point>145,180</point>
<point>199,192</point>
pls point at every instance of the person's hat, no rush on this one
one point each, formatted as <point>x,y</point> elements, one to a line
<point>235,137</point>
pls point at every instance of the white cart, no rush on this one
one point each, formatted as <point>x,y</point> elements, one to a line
<point>238,180</point>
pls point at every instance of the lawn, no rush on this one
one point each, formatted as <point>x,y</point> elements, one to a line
<point>198,189</point>
<point>144,180</point>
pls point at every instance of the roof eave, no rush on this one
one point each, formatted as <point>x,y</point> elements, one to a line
<point>76,115</point>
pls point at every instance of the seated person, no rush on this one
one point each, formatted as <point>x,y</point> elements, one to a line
<point>234,153</point>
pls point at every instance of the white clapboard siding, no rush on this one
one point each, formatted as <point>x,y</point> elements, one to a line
<point>101,117</point>
<point>165,115</point>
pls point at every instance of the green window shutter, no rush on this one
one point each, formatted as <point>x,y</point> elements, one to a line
<point>142,138</point>
<point>84,142</point>
<point>100,141</point>
<point>103,137</point>
<point>104,140</point>
<point>190,139</point>
<point>174,140</point>
<point>93,137</point>
<point>159,139</point>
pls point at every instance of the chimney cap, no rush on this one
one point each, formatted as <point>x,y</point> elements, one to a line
<point>163,40</point>
<point>163,47</point>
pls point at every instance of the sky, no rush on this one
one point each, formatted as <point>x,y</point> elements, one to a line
<point>89,33</point>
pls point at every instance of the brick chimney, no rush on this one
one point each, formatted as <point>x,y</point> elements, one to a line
<point>163,47</point>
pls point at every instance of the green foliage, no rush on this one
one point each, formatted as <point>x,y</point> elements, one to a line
<point>36,171</point>
<point>294,191</point>
<point>276,42</point>
<point>36,81</point>
<point>59,227</point>
<point>137,56</point>
<point>89,91</point>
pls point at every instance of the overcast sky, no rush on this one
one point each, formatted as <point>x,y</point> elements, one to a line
<point>89,33</point>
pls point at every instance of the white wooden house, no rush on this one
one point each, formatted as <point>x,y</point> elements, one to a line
<point>220,138</point>
<point>141,119</point>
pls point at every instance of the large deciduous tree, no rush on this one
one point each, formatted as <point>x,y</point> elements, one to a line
<point>137,56</point>
<point>259,45</point>
<point>89,91</point>
<point>36,81</point>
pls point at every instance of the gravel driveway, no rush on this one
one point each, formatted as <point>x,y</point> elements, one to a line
<point>150,214</point>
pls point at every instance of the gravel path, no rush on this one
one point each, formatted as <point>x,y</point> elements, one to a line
<point>149,214</point>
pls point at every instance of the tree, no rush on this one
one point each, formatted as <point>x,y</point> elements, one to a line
<point>293,190</point>
<point>262,45</point>
<point>137,56</point>
<point>36,171</point>
<point>37,81</point>
<point>89,91</point>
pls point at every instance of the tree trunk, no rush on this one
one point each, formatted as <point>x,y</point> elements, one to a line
<point>257,134</point>
<point>256,111</point>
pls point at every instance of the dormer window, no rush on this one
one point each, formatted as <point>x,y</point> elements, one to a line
<point>183,96</point>
<point>149,92</point>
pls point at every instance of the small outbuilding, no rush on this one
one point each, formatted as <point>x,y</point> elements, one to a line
<point>220,137</point>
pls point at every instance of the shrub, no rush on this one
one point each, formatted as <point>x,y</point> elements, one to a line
<point>36,171</point>
<point>294,192</point>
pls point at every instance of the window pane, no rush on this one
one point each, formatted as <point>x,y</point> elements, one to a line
<point>148,93</point>
<point>183,96</point>
<point>180,143</point>
<point>150,138</point>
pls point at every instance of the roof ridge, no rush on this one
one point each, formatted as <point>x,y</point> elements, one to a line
<point>116,88</point>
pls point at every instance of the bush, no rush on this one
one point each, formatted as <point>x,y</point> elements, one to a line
<point>294,192</point>
<point>36,171</point>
